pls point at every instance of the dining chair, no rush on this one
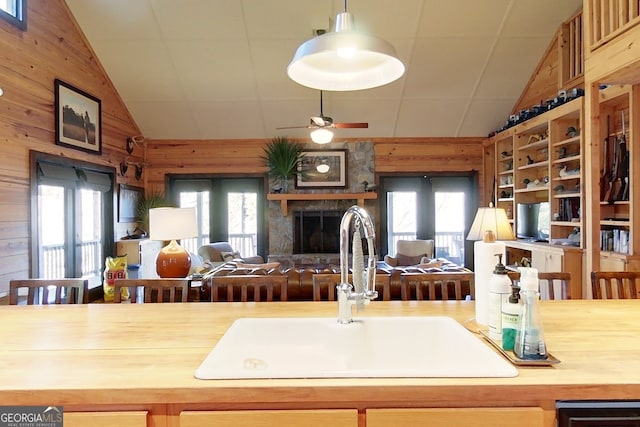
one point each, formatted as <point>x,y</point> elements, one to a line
<point>615,284</point>
<point>554,285</point>
<point>50,291</point>
<point>324,286</point>
<point>153,290</point>
<point>250,287</point>
<point>437,286</point>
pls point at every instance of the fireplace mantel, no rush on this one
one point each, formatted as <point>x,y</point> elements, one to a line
<point>284,198</point>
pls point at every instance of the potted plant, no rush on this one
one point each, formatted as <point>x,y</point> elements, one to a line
<point>153,199</point>
<point>282,157</point>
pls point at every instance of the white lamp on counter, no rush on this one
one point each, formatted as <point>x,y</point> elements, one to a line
<point>489,227</point>
<point>172,224</point>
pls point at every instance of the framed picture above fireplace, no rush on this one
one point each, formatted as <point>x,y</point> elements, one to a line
<point>323,169</point>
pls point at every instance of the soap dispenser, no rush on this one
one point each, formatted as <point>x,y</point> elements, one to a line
<point>499,290</point>
<point>529,343</point>
<point>511,312</point>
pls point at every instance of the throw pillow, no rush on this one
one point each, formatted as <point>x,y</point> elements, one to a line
<point>229,256</point>
<point>409,260</point>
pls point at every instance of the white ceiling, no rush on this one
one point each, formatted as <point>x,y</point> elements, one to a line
<point>216,69</point>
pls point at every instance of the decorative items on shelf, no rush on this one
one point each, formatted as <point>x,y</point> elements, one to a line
<point>572,132</point>
<point>369,188</point>
<point>563,97</point>
<point>538,182</point>
<point>535,137</point>
<point>566,172</point>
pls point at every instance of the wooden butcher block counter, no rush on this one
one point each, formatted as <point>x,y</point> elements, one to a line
<point>133,365</point>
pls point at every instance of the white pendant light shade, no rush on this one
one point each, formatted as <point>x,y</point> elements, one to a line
<point>321,136</point>
<point>345,60</point>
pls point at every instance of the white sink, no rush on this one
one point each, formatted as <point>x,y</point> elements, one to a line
<point>368,347</point>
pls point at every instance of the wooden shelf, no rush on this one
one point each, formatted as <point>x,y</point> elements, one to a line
<point>284,198</point>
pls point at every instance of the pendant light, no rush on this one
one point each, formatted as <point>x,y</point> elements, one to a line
<point>344,59</point>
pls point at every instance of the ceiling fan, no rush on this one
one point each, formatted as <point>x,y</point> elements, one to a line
<point>324,122</point>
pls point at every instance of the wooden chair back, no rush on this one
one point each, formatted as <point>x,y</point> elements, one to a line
<point>437,286</point>
<point>324,286</point>
<point>50,291</point>
<point>615,284</point>
<point>154,290</point>
<point>554,285</point>
<point>251,287</point>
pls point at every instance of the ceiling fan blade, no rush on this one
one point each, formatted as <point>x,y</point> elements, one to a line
<point>350,125</point>
<point>294,127</point>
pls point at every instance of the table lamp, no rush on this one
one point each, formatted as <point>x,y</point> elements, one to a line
<point>489,226</point>
<point>172,224</point>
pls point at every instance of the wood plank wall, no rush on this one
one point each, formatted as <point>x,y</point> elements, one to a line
<point>52,47</point>
<point>392,155</point>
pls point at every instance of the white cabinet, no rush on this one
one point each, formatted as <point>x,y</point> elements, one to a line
<point>142,253</point>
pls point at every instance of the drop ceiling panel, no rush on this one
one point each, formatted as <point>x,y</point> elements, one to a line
<point>430,117</point>
<point>228,119</point>
<point>286,19</point>
<point>531,18</point>
<point>213,71</point>
<point>215,19</point>
<point>462,18</point>
<point>438,62</point>
<point>140,70</point>
<point>505,75</point>
<point>216,69</point>
<point>165,120</point>
<point>486,115</point>
<point>115,19</point>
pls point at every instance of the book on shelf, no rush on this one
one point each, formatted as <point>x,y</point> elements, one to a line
<point>615,240</point>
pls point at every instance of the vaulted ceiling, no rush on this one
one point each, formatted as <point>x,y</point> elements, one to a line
<point>216,69</point>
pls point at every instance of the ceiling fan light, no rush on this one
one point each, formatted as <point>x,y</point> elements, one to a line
<point>321,136</point>
<point>345,60</point>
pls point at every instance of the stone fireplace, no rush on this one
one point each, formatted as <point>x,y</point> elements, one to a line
<point>326,214</point>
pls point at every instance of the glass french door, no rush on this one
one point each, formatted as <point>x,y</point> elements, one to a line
<point>424,207</point>
<point>73,211</point>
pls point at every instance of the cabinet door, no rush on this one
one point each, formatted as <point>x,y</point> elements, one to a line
<point>284,418</point>
<point>546,261</point>
<point>447,417</point>
<point>105,419</point>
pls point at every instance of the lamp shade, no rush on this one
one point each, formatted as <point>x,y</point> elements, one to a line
<point>490,224</point>
<point>344,60</point>
<point>172,224</point>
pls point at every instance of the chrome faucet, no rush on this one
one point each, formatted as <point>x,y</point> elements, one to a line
<point>363,288</point>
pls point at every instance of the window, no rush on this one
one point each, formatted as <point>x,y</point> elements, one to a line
<point>14,11</point>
